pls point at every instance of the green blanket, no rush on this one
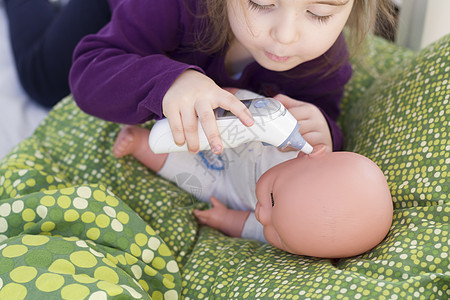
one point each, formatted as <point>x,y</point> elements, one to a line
<point>76,223</point>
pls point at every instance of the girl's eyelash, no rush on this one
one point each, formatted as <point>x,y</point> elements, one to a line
<point>321,19</point>
<point>257,6</point>
<point>271,197</point>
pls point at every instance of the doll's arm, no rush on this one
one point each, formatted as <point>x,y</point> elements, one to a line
<point>229,221</point>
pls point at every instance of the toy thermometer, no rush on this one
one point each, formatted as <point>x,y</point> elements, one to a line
<point>273,125</point>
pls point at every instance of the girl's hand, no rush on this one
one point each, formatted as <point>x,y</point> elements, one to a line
<point>195,95</point>
<point>313,125</point>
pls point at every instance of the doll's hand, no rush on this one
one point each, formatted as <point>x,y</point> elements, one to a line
<point>214,216</point>
<point>313,125</point>
<point>229,221</point>
<point>195,95</point>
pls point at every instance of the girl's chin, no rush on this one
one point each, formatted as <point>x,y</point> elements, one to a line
<point>277,67</point>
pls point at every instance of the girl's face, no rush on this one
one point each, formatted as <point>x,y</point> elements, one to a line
<point>281,34</point>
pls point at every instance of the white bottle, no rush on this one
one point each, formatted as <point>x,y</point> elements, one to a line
<point>273,125</point>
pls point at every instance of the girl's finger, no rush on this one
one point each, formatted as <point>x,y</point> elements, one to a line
<point>176,127</point>
<point>190,126</point>
<point>209,126</point>
<point>287,102</point>
<point>233,104</point>
<point>231,90</point>
<point>315,138</point>
<point>306,126</point>
<point>305,111</point>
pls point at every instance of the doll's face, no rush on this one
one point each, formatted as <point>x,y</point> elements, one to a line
<point>312,205</point>
<point>295,179</point>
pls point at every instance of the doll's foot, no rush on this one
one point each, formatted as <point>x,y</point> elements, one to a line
<point>126,141</point>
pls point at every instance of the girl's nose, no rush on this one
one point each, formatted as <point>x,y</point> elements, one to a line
<point>285,31</point>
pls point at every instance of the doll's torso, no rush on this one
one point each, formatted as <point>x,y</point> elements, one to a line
<point>231,176</point>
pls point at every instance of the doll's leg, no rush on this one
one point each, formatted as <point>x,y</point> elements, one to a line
<point>134,140</point>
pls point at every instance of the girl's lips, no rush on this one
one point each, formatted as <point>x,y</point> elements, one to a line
<point>276,57</point>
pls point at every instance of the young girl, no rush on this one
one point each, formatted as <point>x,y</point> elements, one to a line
<point>170,58</point>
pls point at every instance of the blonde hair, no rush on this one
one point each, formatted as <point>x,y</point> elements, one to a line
<point>365,15</point>
<point>217,33</point>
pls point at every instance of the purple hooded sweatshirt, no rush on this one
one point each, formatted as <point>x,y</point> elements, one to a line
<point>122,73</point>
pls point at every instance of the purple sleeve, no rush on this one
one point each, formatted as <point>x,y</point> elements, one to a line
<point>332,101</point>
<point>333,104</point>
<point>121,73</point>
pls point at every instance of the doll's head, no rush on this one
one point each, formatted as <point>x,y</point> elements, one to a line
<point>326,204</point>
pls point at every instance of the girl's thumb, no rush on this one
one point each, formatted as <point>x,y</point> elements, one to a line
<point>287,102</point>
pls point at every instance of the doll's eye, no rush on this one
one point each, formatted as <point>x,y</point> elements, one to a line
<point>271,197</point>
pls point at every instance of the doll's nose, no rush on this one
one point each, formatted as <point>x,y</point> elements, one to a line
<point>262,215</point>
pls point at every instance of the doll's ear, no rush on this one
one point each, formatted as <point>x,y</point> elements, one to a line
<point>318,150</point>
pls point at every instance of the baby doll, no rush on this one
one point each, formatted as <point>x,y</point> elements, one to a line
<point>326,204</point>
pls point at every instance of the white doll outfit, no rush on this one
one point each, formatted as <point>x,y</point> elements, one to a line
<point>230,177</point>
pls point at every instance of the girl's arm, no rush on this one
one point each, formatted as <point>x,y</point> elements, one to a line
<point>229,221</point>
<point>126,73</point>
<point>122,73</point>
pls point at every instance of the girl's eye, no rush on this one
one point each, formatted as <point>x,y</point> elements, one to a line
<point>257,6</point>
<point>271,197</point>
<point>320,19</point>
